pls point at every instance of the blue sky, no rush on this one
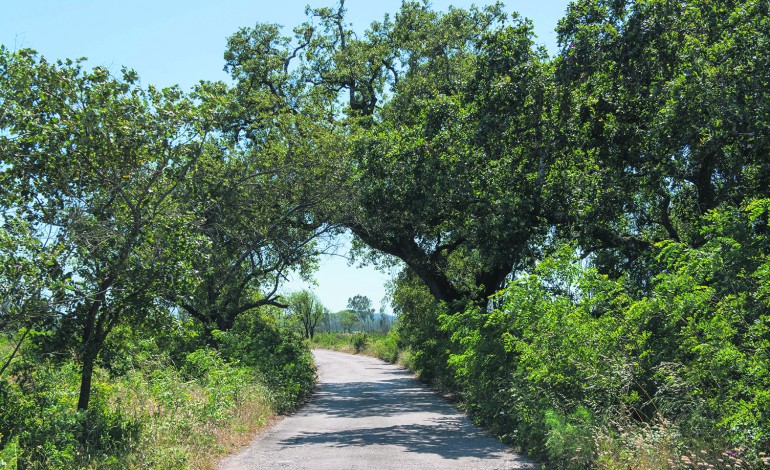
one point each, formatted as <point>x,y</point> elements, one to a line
<point>180,42</point>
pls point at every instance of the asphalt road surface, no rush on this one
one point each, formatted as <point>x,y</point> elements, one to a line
<point>367,414</point>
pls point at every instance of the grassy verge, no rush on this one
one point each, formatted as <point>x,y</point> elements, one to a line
<point>192,421</point>
<point>152,407</point>
<point>155,417</point>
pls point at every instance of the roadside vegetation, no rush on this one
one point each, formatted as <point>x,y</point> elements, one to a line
<point>139,311</point>
<point>583,241</point>
<point>383,346</point>
<point>170,402</point>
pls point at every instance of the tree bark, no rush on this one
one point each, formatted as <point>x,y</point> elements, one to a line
<point>89,359</point>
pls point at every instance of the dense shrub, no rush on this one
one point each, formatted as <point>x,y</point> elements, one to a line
<point>570,353</point>
<point>280,357</point>
<point>358,341</point>
<point>38,413</point>
<point>157,402</point>
<point>156,415</point>
<point>386,347</point>
<point>420,331</point>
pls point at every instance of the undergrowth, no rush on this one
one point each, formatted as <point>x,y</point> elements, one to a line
<point>161,408</point>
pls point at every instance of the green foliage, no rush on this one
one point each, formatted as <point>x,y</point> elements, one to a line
<point>122,251</point>
<point>386,347</point>
<point>281,358</point>
<point>420,331</point>
<point>379,345</point>
<point>90,161</point>
<point>661,123</point>
<point>154,414</point>
<point>654,172</point>
<point>248,235</point>
<point>9,454</point>
<point>348,320</point>
<point>362,306</point>
<point>567,344</point>
<point>199,363</point>
<point>37,413</point>
<point>359,341</point>
<point>444,113</point>
<point>435,166</point>
<point>569,442</point>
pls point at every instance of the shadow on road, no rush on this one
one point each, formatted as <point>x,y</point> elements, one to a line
<point>441,431</point>
<point>368,414</point>
<point>369,399</point>
<point>446,437</point>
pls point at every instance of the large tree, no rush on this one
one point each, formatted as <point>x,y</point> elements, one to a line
<point>253,233</point>
<point>663,110</point>
<point>94,159</point>
<point>439,122</point>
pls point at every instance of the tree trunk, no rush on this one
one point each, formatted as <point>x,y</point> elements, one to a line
<point>89,358</point>
<point>15,350</point>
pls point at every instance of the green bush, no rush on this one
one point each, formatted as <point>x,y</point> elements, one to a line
<point>9,453</point>
<point>280,357</point>
<point>420,331</point>
<point>567,343</point>
<point>38,413</point>
<point>386,347</point>
<point>199,363</point>
<point>162,407</point>
<point>155,415</point>
<point>359,341</point>
<point>569,439</point>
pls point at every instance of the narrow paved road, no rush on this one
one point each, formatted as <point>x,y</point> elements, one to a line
<point>367,414</point>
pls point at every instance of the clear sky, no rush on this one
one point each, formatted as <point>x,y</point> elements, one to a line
<point>180,42</point>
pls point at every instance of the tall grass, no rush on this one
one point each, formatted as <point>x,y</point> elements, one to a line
<point>158,400</point>
<point>191,421</point>
<point>157,416</point>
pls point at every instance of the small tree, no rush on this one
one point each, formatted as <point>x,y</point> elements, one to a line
<point>347,320</point>
<point>307,309</point>
<point>92,159</point>
<point>362,306</point>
